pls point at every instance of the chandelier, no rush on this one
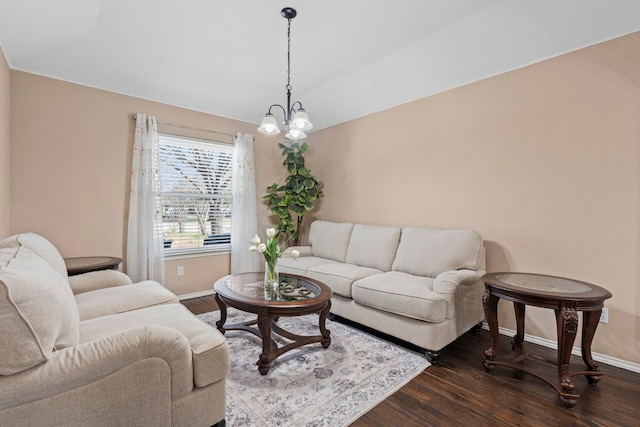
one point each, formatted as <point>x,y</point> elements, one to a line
<point>296,120</point>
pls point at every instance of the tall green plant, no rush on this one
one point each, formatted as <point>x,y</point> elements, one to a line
<point>291,201</point>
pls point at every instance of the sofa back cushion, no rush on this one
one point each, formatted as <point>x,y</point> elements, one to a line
<point>330,239</point>
<point>429,252</point>
<point>41,247</point>
<point>372,246</point>
<point>38,313</point>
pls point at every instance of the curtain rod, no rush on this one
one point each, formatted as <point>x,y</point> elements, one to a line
<point>160,122</point>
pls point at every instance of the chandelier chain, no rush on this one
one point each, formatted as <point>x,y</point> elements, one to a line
<point>288,87</point>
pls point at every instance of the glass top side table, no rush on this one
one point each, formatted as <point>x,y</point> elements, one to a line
<point>80,265</point>
<point>566,297</point>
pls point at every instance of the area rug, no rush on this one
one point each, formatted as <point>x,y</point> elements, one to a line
<point>311,386</point>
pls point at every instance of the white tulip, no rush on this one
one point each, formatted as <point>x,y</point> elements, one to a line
<point>295,253</point>
<point>271,232</point>
<point>253,248</point>
<point>262,247</point>
<point>255,240</point>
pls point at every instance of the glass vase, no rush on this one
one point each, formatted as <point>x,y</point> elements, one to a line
<point>271,280</point>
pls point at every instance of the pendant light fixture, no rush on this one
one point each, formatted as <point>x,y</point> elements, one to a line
<point>296,120</point>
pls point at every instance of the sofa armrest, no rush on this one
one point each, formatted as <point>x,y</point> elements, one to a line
<point>97,280</point>
<point>75,367</point>
<point>448,282</point>
<point>304,250</point>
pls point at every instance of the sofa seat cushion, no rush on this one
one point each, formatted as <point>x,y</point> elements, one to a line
<point>106,301</point>
<point>208,346</point>
<point>403,294</point>
<point>340,276</point>
<point>301,265</point>
<point>38,313</point>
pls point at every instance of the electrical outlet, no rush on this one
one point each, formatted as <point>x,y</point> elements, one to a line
<point>604,316</point>
<point>180,270</point>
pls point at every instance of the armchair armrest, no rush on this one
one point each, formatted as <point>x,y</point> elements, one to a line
<point>97,280</point>
<point>448,282</point>
<point>75,367</point>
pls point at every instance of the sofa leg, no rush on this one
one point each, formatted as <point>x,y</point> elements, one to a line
<point>222,423</point>
<point>432,356</point>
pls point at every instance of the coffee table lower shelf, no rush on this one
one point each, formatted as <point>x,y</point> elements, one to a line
<point>267,326</point>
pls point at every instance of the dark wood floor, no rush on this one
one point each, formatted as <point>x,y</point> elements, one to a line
<point>458,392</point>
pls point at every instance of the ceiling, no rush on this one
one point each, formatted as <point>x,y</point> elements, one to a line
<point>349,58</point>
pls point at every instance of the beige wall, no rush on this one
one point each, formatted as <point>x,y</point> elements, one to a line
<point>542,161</point>
<point>71,167</point>
<point>5,136</point>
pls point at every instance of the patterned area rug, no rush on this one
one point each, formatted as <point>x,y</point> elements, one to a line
<point>312,386</point>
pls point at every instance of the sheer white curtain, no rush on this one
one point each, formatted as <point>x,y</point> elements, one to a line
<point>244,223</point>
<point>145,243</point>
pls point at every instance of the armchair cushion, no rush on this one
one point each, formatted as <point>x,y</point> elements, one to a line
<point>119,299</point>
<point>209,348</point>
<point>38,313</point>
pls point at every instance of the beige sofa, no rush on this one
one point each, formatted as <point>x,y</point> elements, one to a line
<point>96,350</point>
<point>420,285</point>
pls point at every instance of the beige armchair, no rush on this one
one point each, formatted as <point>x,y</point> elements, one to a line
<point>97,350</point>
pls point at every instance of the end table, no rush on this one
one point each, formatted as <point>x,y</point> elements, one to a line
<point>566,297</point>
<point>81,265</point>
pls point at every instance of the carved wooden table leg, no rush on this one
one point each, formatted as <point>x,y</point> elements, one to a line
<point>326,334</point>
<point>518,339</point>
<point>490,303</point>
<point>223,313</point>
<point>264,325</point>
<point>567,325</point>
<point>590,321</point>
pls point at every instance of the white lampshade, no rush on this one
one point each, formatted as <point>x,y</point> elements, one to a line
<point>301,121</point>
<point>295,134</point>
<point>269,126</point>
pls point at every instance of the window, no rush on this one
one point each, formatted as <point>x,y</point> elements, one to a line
<point>195,194</point>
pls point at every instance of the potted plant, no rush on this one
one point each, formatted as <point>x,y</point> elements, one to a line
<point>291,201</point>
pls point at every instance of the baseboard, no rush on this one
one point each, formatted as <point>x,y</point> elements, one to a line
<point>196,295</point>
<point>602,358</point>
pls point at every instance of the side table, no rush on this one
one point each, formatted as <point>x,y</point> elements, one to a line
<point>81,265</point>
<point>566,297</point>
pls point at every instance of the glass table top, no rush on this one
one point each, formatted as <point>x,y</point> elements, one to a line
<point>289,288</point>
<point>546,284</point>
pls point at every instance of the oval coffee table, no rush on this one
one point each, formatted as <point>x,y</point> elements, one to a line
<point>296,296</point>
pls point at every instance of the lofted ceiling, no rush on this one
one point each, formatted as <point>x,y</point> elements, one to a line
<point>349,58</point>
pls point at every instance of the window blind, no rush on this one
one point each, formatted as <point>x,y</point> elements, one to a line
<point>194,194</point>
